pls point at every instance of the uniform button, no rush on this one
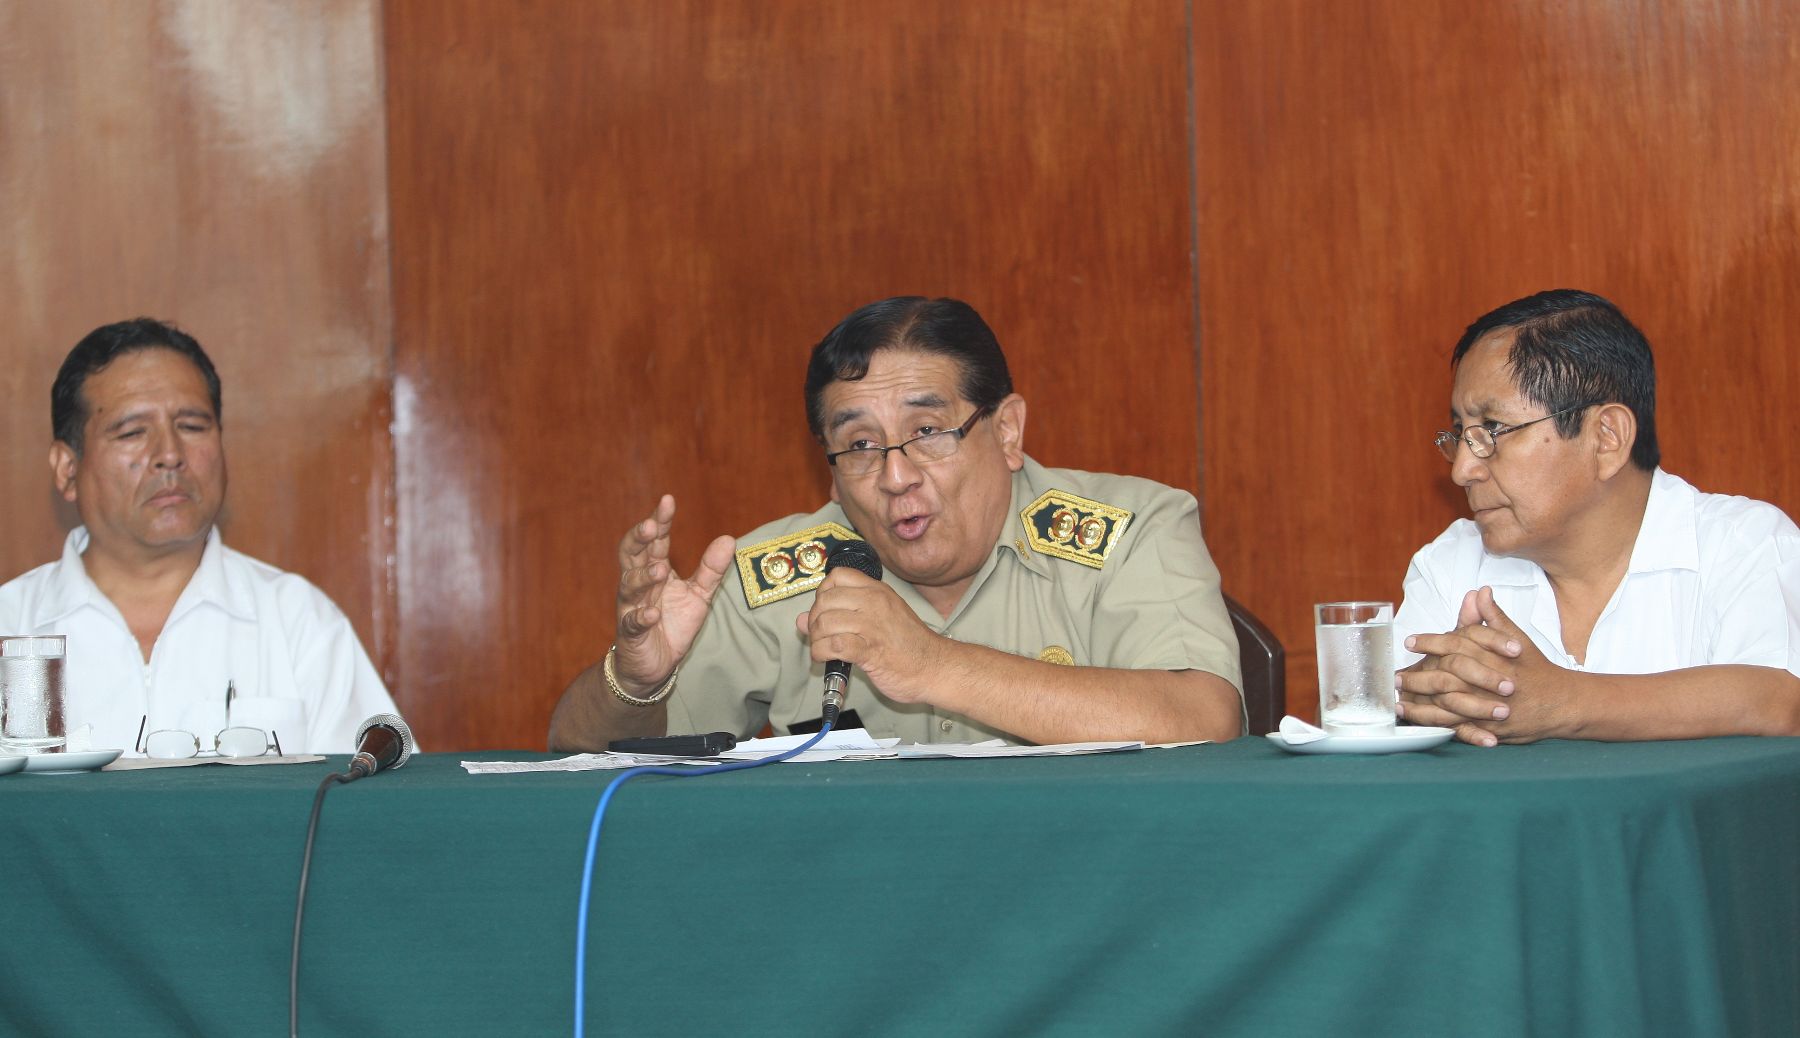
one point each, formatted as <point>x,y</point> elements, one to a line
<point>946,725</point>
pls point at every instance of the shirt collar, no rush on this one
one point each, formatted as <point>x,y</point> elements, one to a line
<point>1667,537</point>
<point>72,588</point>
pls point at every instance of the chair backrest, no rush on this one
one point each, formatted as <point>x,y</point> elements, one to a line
<point>1264,664</point>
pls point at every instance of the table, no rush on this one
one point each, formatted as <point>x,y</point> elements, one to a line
<point>1563,888</point>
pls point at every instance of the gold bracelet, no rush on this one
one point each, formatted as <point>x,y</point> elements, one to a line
<point>612,682</point>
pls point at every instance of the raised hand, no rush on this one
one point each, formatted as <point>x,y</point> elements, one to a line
<point>660,613</point>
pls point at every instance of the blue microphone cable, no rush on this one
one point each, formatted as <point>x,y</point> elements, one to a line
<point>587,869</point>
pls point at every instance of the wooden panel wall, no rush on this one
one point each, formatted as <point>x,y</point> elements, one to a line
<point>619,227</point>
<point>1373,177</point>
<point>219,165</point>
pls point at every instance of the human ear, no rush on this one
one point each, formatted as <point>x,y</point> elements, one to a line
<point>62,469</point>
<point>1615,430</point>
<point>1009,426</point>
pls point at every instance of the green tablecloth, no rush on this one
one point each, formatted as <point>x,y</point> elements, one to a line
<point>1564,888</point>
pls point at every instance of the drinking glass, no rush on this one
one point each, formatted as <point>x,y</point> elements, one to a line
<point>1356,667</point>
<point>31,693</point>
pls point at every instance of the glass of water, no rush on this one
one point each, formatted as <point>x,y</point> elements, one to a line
<point>31,693</point>
<point>1356,667</point>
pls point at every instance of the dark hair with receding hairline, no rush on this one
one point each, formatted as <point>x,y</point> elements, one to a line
<point>1570,348</point>
<point>947,327</point>
<point>102,346</point>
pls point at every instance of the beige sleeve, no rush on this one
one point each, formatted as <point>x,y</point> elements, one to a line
<point>1159,606</point>
<point>730,673</point>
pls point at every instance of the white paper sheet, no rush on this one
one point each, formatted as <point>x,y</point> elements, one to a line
<point>850,745</point>
<point>996,748</point>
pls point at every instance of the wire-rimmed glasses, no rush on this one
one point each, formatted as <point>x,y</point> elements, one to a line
<point>1480,438</point>
<point>236,741</point>
<point>932,446</point>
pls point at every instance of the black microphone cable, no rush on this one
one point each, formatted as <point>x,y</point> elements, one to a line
<point>312,827</point>
<point>587,868</point>
<point>383,742</point>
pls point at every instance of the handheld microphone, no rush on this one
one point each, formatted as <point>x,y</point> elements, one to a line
<point>383,742</point>
<point>861,558</point>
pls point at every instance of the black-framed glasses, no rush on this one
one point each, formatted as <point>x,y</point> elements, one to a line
<point>1480,438</point>
<point>932,446</point>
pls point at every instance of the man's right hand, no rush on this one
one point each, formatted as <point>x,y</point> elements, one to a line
<point>659,613</point>
<point>1463,681</point>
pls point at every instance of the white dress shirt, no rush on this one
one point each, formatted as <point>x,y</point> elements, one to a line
<point>1712,579</point>
<point>291,654</point>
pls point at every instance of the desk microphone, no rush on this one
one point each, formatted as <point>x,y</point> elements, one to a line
<point>861,558</point>
<point>383,742</point>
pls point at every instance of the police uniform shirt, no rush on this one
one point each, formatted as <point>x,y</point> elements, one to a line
<point>1090,569</point>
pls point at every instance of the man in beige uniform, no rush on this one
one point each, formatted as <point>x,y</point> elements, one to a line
<point>1020,602</point>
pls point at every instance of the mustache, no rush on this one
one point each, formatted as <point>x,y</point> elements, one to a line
<point>168,483</point>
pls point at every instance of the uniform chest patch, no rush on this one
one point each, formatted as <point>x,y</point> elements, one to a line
<point>1074,528</point>
<point>788,565</point>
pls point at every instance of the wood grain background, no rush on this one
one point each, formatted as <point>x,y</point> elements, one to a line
<point>607,280</point>
<point>1227,246</point>
<point>222,166</point>
<point>1372,180</point>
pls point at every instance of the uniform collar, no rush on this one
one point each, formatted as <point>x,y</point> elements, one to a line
<point>1028,484</point>
<point>71,588</point>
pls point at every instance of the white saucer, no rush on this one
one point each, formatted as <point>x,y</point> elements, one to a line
<point>8,765</point>
<point>1404,738</point>
<point>65,762</point>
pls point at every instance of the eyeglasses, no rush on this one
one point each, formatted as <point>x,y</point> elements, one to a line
<point>933,446</point>
<point>1480,438</point>
<point>175,744</point>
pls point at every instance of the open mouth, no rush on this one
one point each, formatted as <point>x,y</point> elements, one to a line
<point>912,527</point>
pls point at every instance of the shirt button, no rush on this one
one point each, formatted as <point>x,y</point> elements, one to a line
<point>946,725</point>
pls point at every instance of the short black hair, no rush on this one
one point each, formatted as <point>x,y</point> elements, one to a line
<point>949,327</point>
<point>102,346</point>
<point>1572,348</point>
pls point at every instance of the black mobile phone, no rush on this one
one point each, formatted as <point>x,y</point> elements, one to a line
<point>709,745</point>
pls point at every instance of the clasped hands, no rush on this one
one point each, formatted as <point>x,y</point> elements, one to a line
<point>1485,679</point>
<point>853,618</point>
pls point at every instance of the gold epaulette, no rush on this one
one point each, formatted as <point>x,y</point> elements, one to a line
<point>788,565</point>
<point>1074,528</point>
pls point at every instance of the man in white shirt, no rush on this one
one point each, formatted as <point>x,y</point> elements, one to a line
<point>161,619</point>
<point>1592,595</point>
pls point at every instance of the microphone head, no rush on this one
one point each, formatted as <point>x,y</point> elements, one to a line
<point>857,555</point>
<point>398,726</point>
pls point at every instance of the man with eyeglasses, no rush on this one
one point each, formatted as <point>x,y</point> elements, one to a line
<point>1591,595</point>
<point>1018,602</point>
<point>177,645</point>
